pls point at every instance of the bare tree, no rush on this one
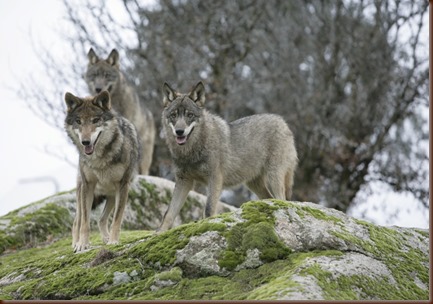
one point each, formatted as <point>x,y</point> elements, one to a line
<point>348,84</point>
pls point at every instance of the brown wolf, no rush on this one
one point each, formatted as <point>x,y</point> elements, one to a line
<point>109,153</point>
<point>257,150</point>
<point>106,75</point>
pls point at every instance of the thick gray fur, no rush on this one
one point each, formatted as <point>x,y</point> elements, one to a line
<point>105,74</point>
<point>257,150</point>
<point>109,153</point>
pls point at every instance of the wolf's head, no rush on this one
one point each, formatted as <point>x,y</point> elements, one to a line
<point>102,75</point>
<point>182,112</point>
<point>86,119</point>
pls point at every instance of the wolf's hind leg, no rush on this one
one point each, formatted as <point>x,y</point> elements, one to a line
<point>289,184</point>
<point>258,186</point>
<point>275,181</point>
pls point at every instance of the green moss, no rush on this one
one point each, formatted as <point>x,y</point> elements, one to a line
<point>55,272</point>
<point>283,204</point>
<point>263,237</point>
<point>344,287</point>
<point>303,211</point>
<point>258,211</point>
<point>239,286</point>
<point>388,245</point>
<point>162,248</point>
<point>229,259</point>
<point>330,286</point>
<point>361,222</point>
<point>278,275</point>
<point>174,275</point>
<point>226,217</point>
<point>34,228</point>
<point>257,232</point>
<point>8,241</point>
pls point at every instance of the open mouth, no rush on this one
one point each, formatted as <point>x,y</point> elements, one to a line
<point>89,149</point>
<point>181,140</point>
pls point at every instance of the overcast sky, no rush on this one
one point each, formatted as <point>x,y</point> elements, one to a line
<point>25,137</point>
<point>28,174</point>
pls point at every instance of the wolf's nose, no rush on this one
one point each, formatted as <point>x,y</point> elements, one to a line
<point>179,132</point>
<point>85,142</point>
<point>98,90</point>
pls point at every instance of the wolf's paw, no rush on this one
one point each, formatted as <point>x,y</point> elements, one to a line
<point>159,231</point>
<point>113,243</point>
<point>80,247</point>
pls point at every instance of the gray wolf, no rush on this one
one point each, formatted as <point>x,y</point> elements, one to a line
<point>257,150</point>
<point>109,153</point>
<point>105,74</point>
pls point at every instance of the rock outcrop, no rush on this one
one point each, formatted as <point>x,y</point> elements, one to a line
<point>52,217</point>
<point>266,250</point>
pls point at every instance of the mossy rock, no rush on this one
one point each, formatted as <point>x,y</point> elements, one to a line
<point>51,218</point>
<point>289,250</point>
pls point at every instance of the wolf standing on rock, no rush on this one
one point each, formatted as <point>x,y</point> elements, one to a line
<point>106,75</point>
<point>109,155</point>
<point>257,150</point>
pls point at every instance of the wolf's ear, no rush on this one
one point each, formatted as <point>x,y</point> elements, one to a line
<point>113,58</point>
<point>198,95</point>
<point>93,58</point>
<point>103,100</point>
<point>169,94</point>
<point>72,101</point>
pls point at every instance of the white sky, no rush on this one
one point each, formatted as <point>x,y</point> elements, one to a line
<point>25,136</point>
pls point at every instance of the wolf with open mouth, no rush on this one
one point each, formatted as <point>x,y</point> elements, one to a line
<point>257,150</point>
<point>109,154</point>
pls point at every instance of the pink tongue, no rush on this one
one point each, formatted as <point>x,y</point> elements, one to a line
<point>181,140</point>
<point>88,149</point>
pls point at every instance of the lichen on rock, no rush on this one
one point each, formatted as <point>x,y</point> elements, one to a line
<point>266,250</point>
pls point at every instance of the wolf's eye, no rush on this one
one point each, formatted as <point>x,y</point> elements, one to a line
<point>78,121</point>
<point>190,115</point>
<point>173,115</point>
<point>96,120</point>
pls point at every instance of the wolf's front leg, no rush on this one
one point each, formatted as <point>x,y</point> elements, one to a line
<point>181,190</point>
<point>87,195</point>
<point>214,192</point>
<point>121,200</point>
<point>103,221</point>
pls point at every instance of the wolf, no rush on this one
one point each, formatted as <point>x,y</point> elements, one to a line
<point>105,74</point>
<point>257,150</point>
<point>109,154</point>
